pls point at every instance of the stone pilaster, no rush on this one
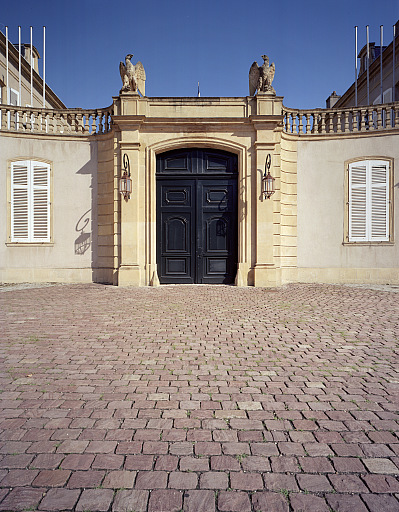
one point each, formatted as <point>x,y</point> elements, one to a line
<point>267,124</point>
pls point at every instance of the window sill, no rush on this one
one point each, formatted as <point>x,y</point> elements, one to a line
<point>376,244</point>
<point>29,244</point>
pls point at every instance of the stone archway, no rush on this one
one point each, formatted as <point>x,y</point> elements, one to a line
<point>197,216</point>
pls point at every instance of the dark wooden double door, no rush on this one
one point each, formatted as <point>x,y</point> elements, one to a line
<point>197,216</point>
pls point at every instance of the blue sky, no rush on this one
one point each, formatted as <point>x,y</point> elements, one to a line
<point>181,42</point>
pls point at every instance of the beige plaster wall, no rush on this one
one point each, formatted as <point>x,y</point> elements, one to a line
<point>322,254</point>
<point>73,251</point>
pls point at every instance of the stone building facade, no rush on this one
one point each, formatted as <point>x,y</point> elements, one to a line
<point>197,212</point>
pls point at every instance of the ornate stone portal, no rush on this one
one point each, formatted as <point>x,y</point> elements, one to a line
<point>249,128</point>
<point>261,77</point>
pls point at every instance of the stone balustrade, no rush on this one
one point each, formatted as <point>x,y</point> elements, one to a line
<point>341,121</point>
<point>57,122</point>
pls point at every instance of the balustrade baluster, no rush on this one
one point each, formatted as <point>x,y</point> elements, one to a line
<point>307,123</point>
<point>13,120</point>
<point>294,129</point>
<point>94,122</point>
<point>341,121</point>
<point>4,115</point>
<point>395,120</point>
<point>299,123</point>
<point>364,120</point>
<point>323,122</point>
<point>346,121</point>
<point>388,117</point>
<point>85,126</point>
<point>314,127</point>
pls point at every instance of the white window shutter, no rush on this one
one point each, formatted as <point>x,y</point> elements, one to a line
<point>20,202</point>
<point>41,202</point>
<point>30,201</point>
<point>357,202</point>
<point>379,200</point>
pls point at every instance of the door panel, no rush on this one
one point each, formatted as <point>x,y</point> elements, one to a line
<point>217,236</point>
<point>175,230</point>
<point>197,217</point>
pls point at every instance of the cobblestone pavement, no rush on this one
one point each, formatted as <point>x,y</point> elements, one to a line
<point>199,398</point>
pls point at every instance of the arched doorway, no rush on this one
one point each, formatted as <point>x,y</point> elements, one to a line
<point>197,216</point>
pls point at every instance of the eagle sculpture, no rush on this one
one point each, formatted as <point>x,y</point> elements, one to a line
<point>133,76</point>
<point>261,77</point>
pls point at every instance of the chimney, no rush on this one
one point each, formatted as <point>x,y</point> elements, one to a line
<point>332,99</point>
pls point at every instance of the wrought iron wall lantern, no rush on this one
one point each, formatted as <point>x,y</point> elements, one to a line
<point>125,181</point>
<point>268,180</point>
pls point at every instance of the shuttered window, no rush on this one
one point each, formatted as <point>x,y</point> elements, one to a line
<point>369,201</point>
<point>30,201</point>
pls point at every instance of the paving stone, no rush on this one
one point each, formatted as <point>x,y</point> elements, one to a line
<point>269,502</point>
<point>128,500</point>
<point>276,482</point>
<point>383,466</point>
<point>139,462</point>
<point>285,464</point>
<point>108,461</point>
<point>119,480</point>
<point>19,477</point>
<point>214,480</point>
<point>47,461</point>
<point>151,480</point>
<point>234,501</point>
<point>254,463</point>
<point>77,461</point>
<point>166,462</point>
<point>194,464</point>
<point>85,479</point>
<point>314,483</point>
<point>16,461</point>
<point>204,448</point>
<point>348,465</point>
<point>315,465</point>
<point>345,503</point>
<point>347,483</point>
<point>199,501</point>
<point>181,480</point>
<point>165,501</point>
<point>95,499</point>
<point>381,483</point>
<point>381,503</point>
<point>224,463</point>
<point>306,503</point>
<point>246,481</point>
<point>265,449</point>
<point>52,478</point>
<point>59,499</point>
<point>22,498</point>
<point>184,448</point>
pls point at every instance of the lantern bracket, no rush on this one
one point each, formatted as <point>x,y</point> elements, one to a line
<point>268,180</point>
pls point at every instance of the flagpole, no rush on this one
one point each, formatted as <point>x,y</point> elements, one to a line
<point>7,71</point>
<point>381,39</point>
<point>44,67</point>
<point>19,67</point>
<point>31,67</point>
<point>356,66</point>
<point>368,65</point>
<point>393,63</point>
